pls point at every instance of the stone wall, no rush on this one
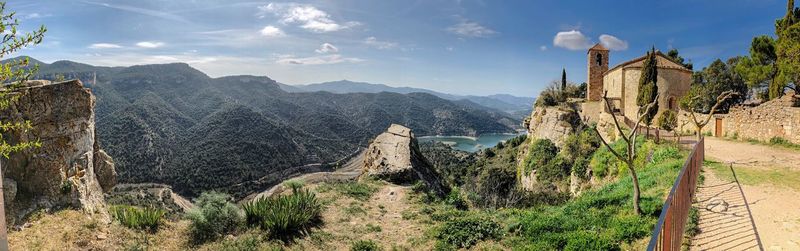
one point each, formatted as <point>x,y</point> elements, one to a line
<point>776,118</point>
<point>64,171</point>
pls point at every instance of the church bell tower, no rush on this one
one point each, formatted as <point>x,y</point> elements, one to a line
<point>597,64</point>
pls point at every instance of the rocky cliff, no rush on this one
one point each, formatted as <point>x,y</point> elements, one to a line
<point>394,156</point>
<point>553,122</point>
<point>69,169</point>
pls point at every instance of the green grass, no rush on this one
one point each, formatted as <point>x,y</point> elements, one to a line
<point>600,219</point>
<point>778,176</point>
<point>774,141</point>
<point>365,245</point>
<point>138,218</point>
<point>357,190</point>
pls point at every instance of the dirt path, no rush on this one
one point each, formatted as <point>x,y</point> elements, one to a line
<point>775,208</point>
<point>724,219</point>
<point>349,171</point>
<point>751,155</point>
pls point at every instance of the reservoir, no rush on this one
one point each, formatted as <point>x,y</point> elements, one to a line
<point>470,144</point>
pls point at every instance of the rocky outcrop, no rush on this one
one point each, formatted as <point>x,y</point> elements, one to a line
<point>394,156</point>
<point>104,169</point>
<point>64,171</point>
<point>150,195</point>
<point>553,122</point>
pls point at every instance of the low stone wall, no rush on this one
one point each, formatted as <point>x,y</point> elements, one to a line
<point>776,118</point>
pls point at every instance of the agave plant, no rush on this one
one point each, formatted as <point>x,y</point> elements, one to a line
<point>138,218</point>
<point>285,216</point>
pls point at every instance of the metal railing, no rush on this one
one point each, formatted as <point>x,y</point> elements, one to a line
<point>668,233</point>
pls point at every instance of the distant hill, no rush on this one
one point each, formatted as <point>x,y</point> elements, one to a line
<point>502,102</point>
<point>173,124</point>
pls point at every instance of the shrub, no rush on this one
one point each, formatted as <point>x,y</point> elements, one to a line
<point>468,231</point>
<point>541,152</point>
<point>665,153</point>
<point>363,245</point>
<point>668,120</point>
<point>454,199</point>
<point>137,218</point>
<point>213,216</point>
<point>495,185</point>
<point>285,216</point>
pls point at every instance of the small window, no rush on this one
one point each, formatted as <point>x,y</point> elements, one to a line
<point>599,59</point>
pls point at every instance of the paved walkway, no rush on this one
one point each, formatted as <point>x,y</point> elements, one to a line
<point>725,220</point>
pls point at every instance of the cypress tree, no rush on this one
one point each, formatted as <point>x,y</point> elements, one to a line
<point>563,79</point>
<point>648,89</point>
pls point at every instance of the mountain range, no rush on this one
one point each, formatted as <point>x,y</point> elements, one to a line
<point>172,124</point>
<point>503,102</point>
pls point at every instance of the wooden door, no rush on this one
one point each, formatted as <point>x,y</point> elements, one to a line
<point>718,127</point>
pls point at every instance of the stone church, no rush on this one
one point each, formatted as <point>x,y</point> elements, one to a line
<point>622,84</point>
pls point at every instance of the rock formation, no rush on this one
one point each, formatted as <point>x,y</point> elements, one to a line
<point>69,169</point>
<point>554,123</point>
<point>150,195</point>
<point>394,156</point>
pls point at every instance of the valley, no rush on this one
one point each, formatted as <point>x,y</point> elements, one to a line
<point>173,124</point>
<point>399,125</point>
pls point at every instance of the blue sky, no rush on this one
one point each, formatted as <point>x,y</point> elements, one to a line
<point>478,47</point>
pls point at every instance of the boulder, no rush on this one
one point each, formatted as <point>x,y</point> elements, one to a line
<point>104,170</point>
<point>394,156</point>
<point>60,173</point>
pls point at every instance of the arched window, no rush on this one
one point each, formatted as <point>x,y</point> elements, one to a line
<point>599,58</point>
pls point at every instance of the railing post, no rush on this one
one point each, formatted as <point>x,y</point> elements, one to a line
<point>668,233</point>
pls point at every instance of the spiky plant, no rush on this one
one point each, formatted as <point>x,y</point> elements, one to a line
<point>285,216</point>
<point>138,218</point>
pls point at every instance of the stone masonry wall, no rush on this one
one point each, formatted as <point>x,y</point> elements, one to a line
<point>776,118</point>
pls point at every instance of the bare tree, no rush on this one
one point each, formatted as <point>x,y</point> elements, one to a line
<point>699,124</point>
<point>630,141</point>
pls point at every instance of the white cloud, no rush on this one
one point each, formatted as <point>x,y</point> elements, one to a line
<point>572,40</point>
<point>613,43</point>
<point>316,60</point>
<point>148,12</point>
<point>272,31</point>
<point>542,48</point>
<point>383,45</point>
<point>470,29</point>
<point>35,16</point>
<point>150,44</point>
<point>104,46</point>
<point>307,16</point>
<point>449,48</point>
<point>327,48</point>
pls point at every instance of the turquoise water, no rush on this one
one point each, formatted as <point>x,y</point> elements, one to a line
<point>470,144</point>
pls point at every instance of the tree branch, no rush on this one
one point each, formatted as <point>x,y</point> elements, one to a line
<point>616,123</point>
<point>610,149</point>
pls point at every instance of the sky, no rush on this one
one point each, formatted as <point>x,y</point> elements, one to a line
<point>467,47</point>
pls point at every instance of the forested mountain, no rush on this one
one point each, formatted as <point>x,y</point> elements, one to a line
<point>173,124</point>
<point>503,102</point>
